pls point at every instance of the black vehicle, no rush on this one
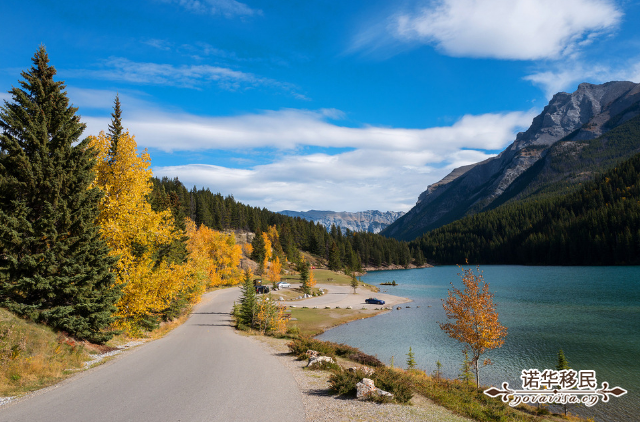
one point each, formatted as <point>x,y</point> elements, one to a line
<point>374,301</point>
<point>262,289</point>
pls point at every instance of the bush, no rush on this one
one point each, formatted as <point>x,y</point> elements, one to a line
<point>365,359</point>
<point>300,346</point>
<point>344,382</point>
<point>293,331</point>
<point>394,382</point>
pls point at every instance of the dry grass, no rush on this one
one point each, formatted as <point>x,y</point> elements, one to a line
<point>32,356</point>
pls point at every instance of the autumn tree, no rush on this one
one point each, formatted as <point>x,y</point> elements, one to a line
<point>354,283</point>
<point>132,229</point>
<point>54,266</point>
<point>269,316</point>
<point>473,316</point>
<point>213,255</point>
<point>273,274</point>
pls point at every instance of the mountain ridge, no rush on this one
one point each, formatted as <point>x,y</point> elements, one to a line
<point>372,221</point>
<point>583,115</point>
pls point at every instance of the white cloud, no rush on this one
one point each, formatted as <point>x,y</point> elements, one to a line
<point>566,75</point>
<point>352,181</point>
<point>374,167</point>
<point>508,29</point>
<point>293,128</point>
<point>226,8</point>
<point>5,96</point>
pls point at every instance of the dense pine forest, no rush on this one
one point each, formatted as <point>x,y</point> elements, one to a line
<point>351,250</point>
<point>597,225</point>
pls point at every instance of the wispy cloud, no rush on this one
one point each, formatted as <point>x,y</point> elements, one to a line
<point>564,76</point>
<point>226,8</point>
<point>502,29</point>
<point>184,76</point>
<point>375,167</point>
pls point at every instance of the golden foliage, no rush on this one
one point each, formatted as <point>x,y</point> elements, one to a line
<point>213,256</point>
<point>474,316</point>
<point>267,247</point>
<point>273,274</point>
<point>270,316</point>
<point>247,249</point>
<point>133,231</point>
<point>312,280</point>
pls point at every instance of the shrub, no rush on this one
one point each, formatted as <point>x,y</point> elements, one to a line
<point>365,359</point>
<point>300,346</point>
<point>344,382</point>
<point>394,382</point>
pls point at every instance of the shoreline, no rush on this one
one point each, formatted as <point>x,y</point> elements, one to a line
<point>394,267</point>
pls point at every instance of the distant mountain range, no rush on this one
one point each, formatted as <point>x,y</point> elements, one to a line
<point>363,221</point>
<point>576,136</point>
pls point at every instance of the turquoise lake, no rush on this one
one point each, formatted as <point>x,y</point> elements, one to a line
<point>591,313</point>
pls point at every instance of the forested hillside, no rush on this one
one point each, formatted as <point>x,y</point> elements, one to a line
<point>351,250</point>
<point>597,225</point>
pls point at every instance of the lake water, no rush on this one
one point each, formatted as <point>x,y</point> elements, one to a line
<point>592,313</point>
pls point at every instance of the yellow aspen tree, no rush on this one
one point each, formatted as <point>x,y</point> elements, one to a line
<point>213,256</point>
<point>247,249</point>
<point>474,318</point>
<point>312,280</point>
<point>133,231</point>
<point>273,274</point>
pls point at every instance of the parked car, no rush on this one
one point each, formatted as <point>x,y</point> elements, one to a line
<point>283,284</point>
<point>374,301</point>
<point>262,289</point>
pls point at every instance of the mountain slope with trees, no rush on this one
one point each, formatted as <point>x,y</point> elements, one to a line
<point>351,251</point>
<point>599,224</point>
<point>555,150</point>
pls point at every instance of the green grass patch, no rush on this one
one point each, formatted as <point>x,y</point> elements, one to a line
<point>311,322</point>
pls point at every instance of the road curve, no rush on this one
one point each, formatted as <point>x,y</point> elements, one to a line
<point>201,371</point>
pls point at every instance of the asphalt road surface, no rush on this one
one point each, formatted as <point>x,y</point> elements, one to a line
<point>201,371</point>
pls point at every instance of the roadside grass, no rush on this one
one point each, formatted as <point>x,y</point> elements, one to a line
<point>33,356</point>
<point>461,398</point>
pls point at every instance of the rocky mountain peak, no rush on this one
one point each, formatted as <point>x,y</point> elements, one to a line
<point>585,114</point>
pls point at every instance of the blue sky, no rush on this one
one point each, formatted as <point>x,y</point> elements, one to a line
<point>335,105</point>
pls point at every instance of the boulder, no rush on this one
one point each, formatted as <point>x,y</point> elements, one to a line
<point>318,360</point>
<point>367,389</point>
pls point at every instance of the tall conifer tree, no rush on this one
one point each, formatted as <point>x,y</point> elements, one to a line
<point>54,267</point>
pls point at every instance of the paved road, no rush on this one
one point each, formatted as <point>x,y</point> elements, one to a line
<point>201,371</point>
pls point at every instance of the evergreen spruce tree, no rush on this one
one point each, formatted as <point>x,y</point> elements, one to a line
<point>563,363</point>
<point>115,127</point>
<point>54,267</point>
<point>334,257</point>
<point>411,359</point>
<point>305,271</point>
<point>247,300</point>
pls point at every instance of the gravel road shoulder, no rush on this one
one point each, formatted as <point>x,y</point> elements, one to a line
<point>321,406</point>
